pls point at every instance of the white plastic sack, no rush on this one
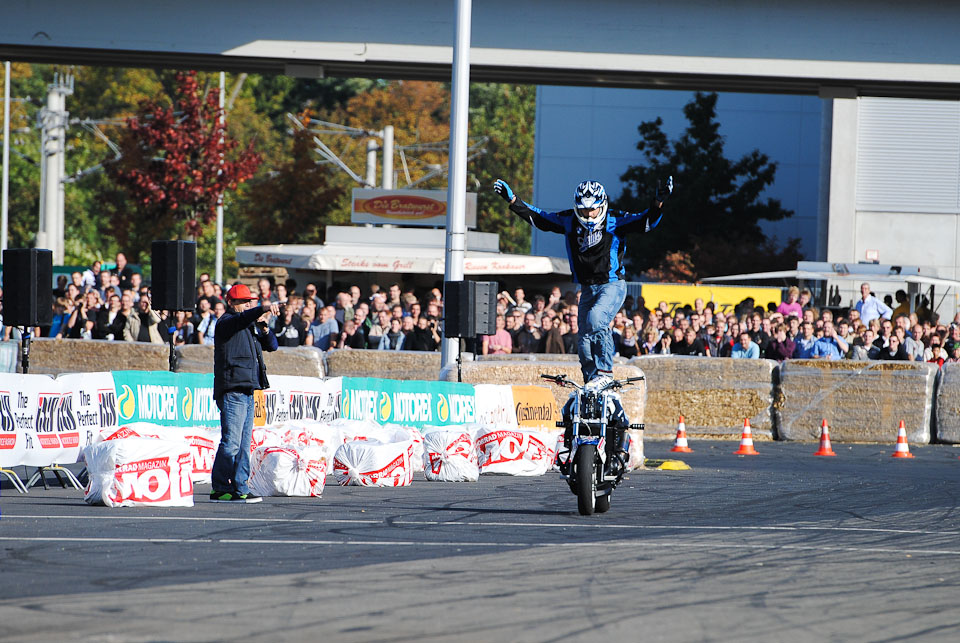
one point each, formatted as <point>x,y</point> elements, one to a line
<point>372,463</point>
<point>133,472</point>
<point>288,471</point>
<point>450,455</point>
<point>203,443</point>
<point>126,431</point>
<point>266,436</point>
<point>390,433</point>
<point>352,430</point>
<point>510,451</point>
<point>635,450</point>
<point>310,434</point>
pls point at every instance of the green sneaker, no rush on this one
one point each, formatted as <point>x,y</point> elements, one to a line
<point>225,496</point>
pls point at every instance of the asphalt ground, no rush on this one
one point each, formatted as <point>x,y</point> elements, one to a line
<point>783,546</point>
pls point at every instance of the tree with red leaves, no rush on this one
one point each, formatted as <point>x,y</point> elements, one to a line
<point>177,161</point>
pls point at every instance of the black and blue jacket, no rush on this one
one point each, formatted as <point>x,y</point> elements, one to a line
<point>238,353</point>
<point>594,258</point>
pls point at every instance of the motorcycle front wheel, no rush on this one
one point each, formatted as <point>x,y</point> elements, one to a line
<point>602,504</point>
<point>586,479</point>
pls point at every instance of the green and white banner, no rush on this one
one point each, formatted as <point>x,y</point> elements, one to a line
<point>164,398</point>
<point>409,403</point>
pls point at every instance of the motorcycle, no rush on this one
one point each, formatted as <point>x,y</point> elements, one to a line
<point>596,444</point>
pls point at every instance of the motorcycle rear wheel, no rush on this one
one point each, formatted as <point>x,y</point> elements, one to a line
<point>586,479</point>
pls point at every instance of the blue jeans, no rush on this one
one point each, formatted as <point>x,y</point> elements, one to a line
<point>599,304</point>
<point>231,466</point>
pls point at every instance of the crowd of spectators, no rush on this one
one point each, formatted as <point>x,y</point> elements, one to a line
<point>870,330</point>
<point>114,304</point>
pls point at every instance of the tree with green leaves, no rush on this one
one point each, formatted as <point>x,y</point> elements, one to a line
<point>505,114</point>
<point>715,212</point>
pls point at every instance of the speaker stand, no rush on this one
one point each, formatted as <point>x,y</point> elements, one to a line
<point>460,359</point>
<point>25,348</point>
<point>171,332</point>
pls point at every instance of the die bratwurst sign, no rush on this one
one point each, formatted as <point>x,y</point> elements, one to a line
<point>407,207</point>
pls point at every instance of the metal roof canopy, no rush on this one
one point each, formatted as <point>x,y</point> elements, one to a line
<point>831,48</point>
<point>397,250</point>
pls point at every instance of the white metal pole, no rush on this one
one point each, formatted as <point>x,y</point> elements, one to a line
<point>457,184</point>
<point>388,157</point>
<point>218,271</point>
<point>371,178</point>
<point>5,198</point>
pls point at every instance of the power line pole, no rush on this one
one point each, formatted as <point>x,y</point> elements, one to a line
<point>53,121</point>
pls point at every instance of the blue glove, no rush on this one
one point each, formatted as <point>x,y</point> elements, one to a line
<point>500,187</point>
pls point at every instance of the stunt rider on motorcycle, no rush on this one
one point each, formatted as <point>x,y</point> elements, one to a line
<point>596,241</point>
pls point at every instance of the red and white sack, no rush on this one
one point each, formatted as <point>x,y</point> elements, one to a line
<point>134,472</point>
<point>288,471</point>
<point>510,451</point>
<point>450,455</point>
<point>352,430</point>
<point>635,449</point>
<point>127,431</point>
<point>202,442</point>
<point>266,436</point>
<point>371,463</point>
<point>310,434</point>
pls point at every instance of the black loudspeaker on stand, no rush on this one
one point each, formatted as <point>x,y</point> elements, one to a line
<point>27,293</point>
<point>469,310</point>
<point>174,278</point>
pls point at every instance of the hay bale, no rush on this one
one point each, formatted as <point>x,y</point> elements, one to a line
<point>539,357</point>
<point>525,373</point>
<point>300,360</point>
<point>861,401</point>
<point>195,358</point>
<point>948,404</point>
<point>713,394</point>
<point>394,365</point>
<point>55,356</point>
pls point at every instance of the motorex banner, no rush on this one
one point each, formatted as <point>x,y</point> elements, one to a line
<point>164,398</point>
<point>408,403</point>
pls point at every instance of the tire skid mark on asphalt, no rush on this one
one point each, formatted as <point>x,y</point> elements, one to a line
<point>488,545</point>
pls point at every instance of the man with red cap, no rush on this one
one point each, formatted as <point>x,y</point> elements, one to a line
<point>240,338</point>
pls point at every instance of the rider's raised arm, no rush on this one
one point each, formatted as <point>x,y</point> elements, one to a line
<point>640,222</point>
<point>546,221</point>
<point>540,219</point>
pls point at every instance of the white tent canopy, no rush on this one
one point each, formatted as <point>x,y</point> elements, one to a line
<point>397,250</point>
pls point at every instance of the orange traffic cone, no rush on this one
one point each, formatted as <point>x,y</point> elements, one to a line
<point>680,444</point>
<point>825,448</point>
<point>746,441</point>
<point>903,448</point>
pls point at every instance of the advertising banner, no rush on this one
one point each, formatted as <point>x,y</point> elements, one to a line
<point>15,417</point>
<point>164,398</point>
<point>725,298</point>
<point>535,407</point>
<point>407,207</point>
<point>297,398</point>
<point>495,405</point>
<point>408,403</point>
<point>93,401</point>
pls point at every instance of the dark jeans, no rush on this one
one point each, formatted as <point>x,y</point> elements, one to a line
<point>231,467</point>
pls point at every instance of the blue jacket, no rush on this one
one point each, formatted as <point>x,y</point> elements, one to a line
<point>594,258</point>
<point>238,353</point>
